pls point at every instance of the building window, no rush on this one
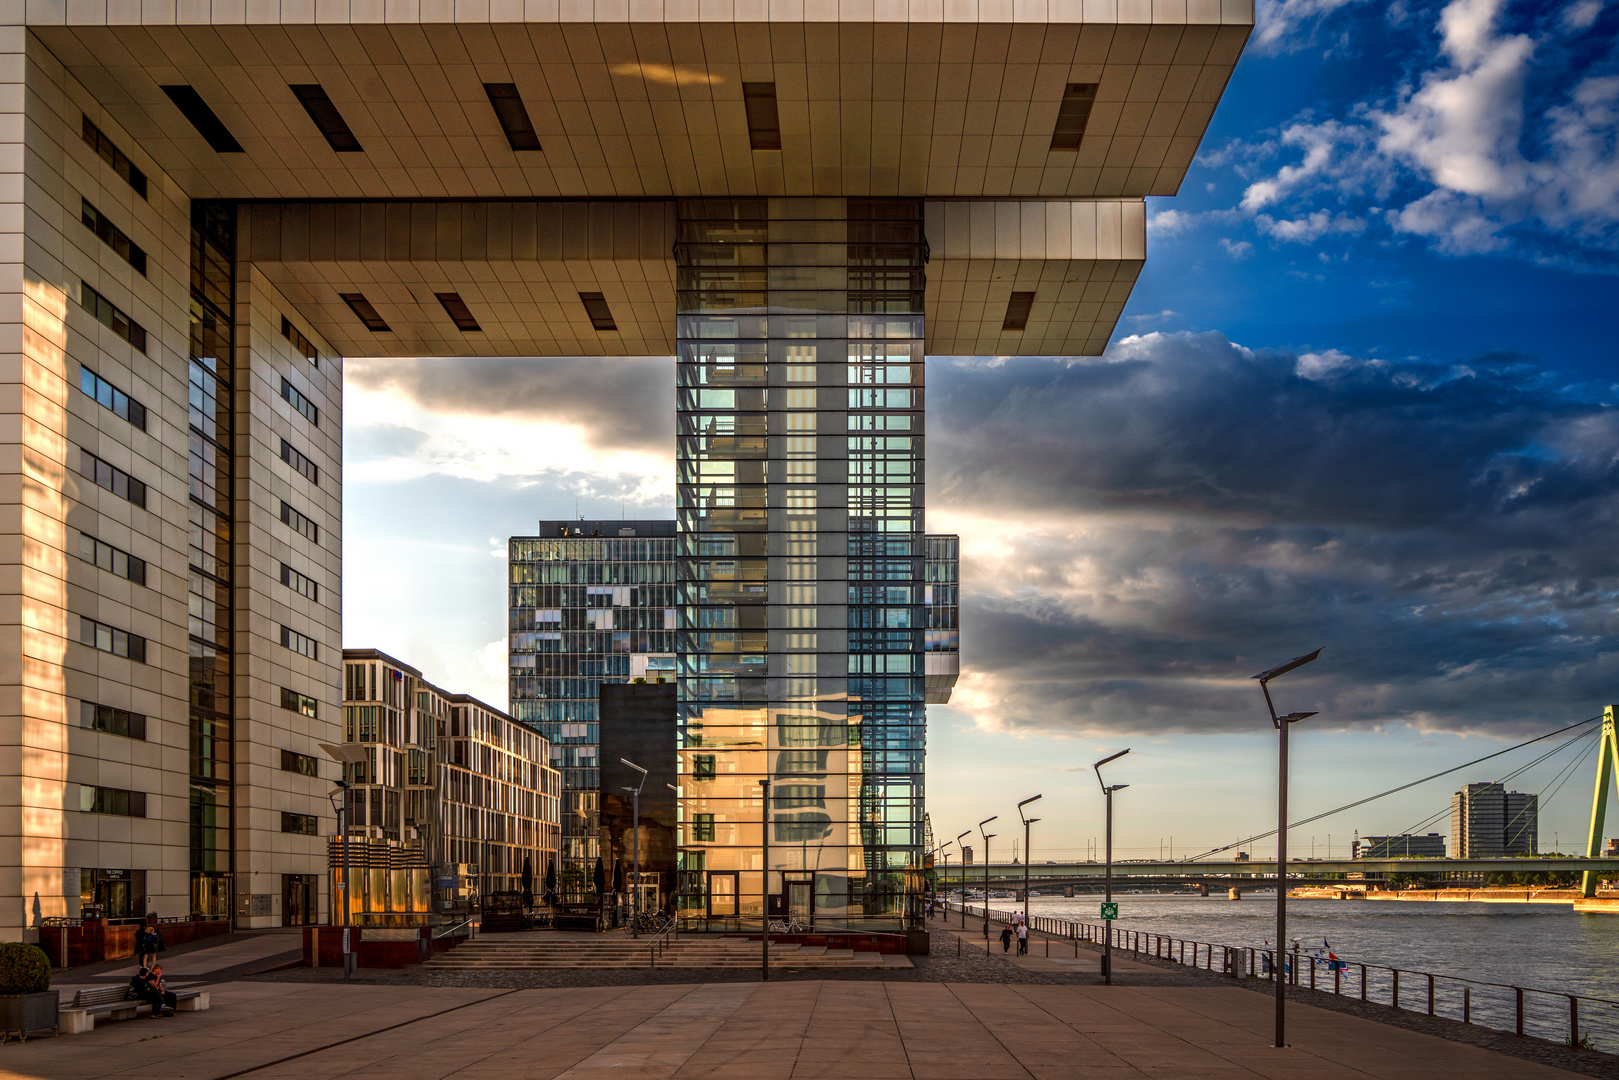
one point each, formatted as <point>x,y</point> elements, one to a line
<point>702,828</point>
<point>112,721</point>
<point>111,559</point>
<point>298,583</point>
<point>106,800</point>
<point>112,236</point>
<point>1073,115</point>
<point>298,703</point>
<point>104,638</point>
<point>354,682</point>
<point>702,767</point>
<point>302,764</point>
<point>110,397</point>
<point>764,124</point>
<point>513,116</point>
<point>300,824</point>
<point>112,317</point>
<point>115,157</point>
<point>365,311</point>
<point>298,643</point>
<point>307,468</point>
<point>299,402</point>
<point>300,524</point>
<point>305,347</point>
<point>114,479</point>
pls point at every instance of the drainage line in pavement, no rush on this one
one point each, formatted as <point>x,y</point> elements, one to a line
<point>357,1038</point>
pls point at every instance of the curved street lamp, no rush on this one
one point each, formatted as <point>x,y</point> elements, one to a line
<point>969,832</point>
<point>987,838</point>
<point>1107,888</point>
<point>1027,821</point>
<point>1282,723</point>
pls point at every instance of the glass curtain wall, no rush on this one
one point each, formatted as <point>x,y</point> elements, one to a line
<point>580,610</point>
<point>213,293</point>
<point>800,519</point>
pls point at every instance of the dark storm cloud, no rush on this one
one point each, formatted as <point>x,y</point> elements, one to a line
<point>1188,512</point>
<point>618,402</point>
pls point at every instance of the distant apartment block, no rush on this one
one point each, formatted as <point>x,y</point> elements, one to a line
<point>1403,846</point>
<point>452,797</point>
<point>1487,821</point>
<point>591,602</point>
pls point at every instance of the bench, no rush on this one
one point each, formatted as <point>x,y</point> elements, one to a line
<point>110,1002</point>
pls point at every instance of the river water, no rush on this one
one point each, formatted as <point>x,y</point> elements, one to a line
<point>1538,946</point>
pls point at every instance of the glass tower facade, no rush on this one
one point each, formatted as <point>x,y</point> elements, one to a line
<point>591,602</point>
<point>799,501</point>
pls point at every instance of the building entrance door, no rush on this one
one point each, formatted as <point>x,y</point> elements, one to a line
<point>297,899</point>
<point>800,898</point>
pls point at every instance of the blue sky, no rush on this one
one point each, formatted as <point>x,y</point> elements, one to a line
<point>1362,398</point>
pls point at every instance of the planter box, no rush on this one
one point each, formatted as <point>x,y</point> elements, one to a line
<point>22,1013</point>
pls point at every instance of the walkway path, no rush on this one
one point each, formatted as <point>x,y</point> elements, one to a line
<point>769,1031</point>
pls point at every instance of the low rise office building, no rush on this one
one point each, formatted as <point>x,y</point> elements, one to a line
<point>1403,846</point>
<point>452,796</point>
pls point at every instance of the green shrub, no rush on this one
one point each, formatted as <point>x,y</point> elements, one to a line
<point>24,969</point>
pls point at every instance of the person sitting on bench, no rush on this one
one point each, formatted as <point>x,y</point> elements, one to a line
<point>142,989</point>
<point>162,997</point>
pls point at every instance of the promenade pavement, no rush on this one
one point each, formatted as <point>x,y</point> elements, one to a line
<point>757,1031</point>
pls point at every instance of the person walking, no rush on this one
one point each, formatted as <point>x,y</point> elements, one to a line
<point>148,943</point>
<point>1006,938</point>
<point>1022,938</point>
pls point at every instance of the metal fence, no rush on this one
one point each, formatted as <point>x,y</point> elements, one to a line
<point>1573,1019</point>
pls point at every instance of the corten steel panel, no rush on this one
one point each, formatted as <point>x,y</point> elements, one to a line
<point>957,104</point>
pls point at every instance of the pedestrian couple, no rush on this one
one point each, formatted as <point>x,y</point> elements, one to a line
<point>147,985</point>
<point>1018,928</point>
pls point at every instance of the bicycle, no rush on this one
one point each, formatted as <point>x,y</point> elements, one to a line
<point>779,926</point>
<point>647,923</point>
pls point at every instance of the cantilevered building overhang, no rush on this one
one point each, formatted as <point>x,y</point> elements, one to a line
<point>212,204</point>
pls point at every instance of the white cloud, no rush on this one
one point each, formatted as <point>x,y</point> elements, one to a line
<point>1284,25</point>
<point>1170,222</point>
<point>1448,149</point>
<point>1237,249</point>
<point>1581,15</point>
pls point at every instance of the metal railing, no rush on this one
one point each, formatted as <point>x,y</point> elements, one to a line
<point>661,941</point>
<point>1557,1016</point>
<point>452,929</point>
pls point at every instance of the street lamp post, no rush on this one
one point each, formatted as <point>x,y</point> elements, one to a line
<point>764,954</point>
<point>1107,886</point>
<point>674,896</point>
<point>1027,821</point>
<point>987,838</point>
<point>946,855</point>
<point>635,824</point>
<point>969,832</point>
<point>1282,723</point>
<point>345,754</point>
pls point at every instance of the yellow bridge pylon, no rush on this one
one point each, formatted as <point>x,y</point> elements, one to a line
<point>1607,766</point>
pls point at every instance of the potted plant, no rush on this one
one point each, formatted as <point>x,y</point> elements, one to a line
<point>27,1002</point>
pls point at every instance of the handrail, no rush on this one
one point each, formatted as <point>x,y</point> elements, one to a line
<point>661,941</point>
<point>1439,993</point>
<point>449,929</point>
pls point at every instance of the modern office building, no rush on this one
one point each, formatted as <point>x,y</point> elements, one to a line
<point>799,200</point>
<point>451,789</point>
<point>592,603</point>
<point>1487,821</point>
<point>1403,846</point>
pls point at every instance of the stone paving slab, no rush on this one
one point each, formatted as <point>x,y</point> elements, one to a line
<point>794,1031</point>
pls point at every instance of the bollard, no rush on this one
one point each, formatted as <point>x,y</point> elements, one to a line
<point>1430,995</point>
<point>958,948</point>
<point>1573,1020</point>
<point>1337,979</point>
<point>1467,1004</point>
<point>1363,982</point>
<point>1519,989</point>
<point>1048,948</point>
<point>1396,1001</point>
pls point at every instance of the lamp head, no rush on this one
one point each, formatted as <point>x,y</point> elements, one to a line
<point>1283,669</point>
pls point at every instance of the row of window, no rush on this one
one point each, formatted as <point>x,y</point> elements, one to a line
<point>111,316</point>
<point>301,644</point>
<point>305,467</point>
<point>108,639</point>
<point>298,401</point>
<point>110,397</point>
<point>112,559</point>
<point>298,583</point>
<point>104,474</point>
<point>112,236</point>
<point>132,725</point>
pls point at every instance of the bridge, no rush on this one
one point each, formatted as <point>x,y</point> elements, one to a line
<point>1252,872</point>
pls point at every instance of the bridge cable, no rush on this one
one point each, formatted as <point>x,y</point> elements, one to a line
<point>1391,791</point>
<point>1519,771</point>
